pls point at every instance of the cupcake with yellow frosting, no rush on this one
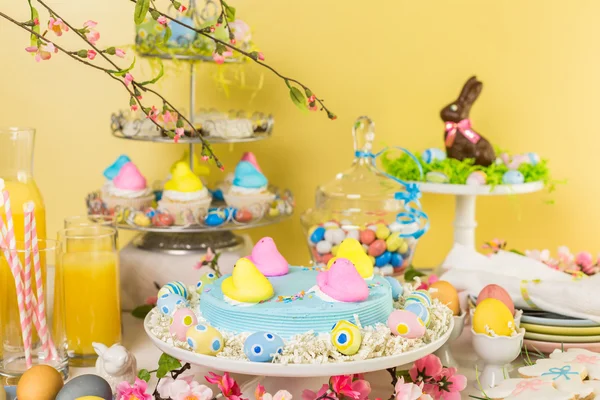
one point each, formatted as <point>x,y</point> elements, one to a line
<point>184,192</point>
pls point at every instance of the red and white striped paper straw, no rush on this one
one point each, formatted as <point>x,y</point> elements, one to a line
<point>47,341</point>
<point>13,261</point>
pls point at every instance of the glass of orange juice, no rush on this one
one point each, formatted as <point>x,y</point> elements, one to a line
<point>90,266</point>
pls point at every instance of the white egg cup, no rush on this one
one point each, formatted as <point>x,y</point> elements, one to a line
<point>444,352</point>
<point>496,352</point>
<point>516,317</point>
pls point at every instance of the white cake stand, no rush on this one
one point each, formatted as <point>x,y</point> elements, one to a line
<point>306,376</point>
<point>464,219</point>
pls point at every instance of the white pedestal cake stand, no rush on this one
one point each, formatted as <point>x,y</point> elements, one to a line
<point>305,376</point>
<point>464,218</point>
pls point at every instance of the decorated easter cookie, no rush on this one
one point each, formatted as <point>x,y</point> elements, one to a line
<point>352,250</point>
<point>566,377</point>
<point>346,337</point>
<point>527,389</point>
<point>263,346</point>
<point>587,358</point>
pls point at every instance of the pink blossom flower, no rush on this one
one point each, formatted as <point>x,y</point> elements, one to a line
<point>259,392</point>
<point>584,259</point>
<point>280,395</point>
<point>183,388</point>
<point>134,107</point>
<point>182,8</point>
<point>310,395</point>
<point>136,392</point>
<point>153,113</point>
<point>57,26</point>
<point>162,20</point>
<point>241,30</point>
<point>431,279</point>
<point>220,58</point>
<point>448,385</point>
<point>261,56</point>
<point>120,53</point>
<point>407,391</point>
<point>43,52</point>
<point>168,117</point>
<point>179,132</point>
<point>227,385</point>
<point>151,300</point>
<point>90,33</point>
<point>36,21</point>
<point>342,385</point>
<point>425,369</point>
<point>91,54</point>
<point>128,78</point>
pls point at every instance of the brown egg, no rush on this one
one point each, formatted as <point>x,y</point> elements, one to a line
<point>446,294</point>
<point>40,382</point>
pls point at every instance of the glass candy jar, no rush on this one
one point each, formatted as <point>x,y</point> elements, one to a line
<point>366,204</point>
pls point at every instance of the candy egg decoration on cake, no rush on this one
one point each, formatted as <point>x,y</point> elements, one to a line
<point>263,346</point>
<point>168,303</point>
<point>175,287</point>
<point>204,339</point>
<point>346,337</point>
<point>419,296</point>
<point>342,282</point>
<point>406,324</point>
<point>420,310</point>
<point>397,288</point>
<point>247,284</point>
<point>268,259</point>
<point>492,317</point>
<point>461,140</point>
<point>205,280</point>
<point>352,250</point>
<point>181,321</point>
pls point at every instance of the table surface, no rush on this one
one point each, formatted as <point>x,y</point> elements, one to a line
<point>135,339</point>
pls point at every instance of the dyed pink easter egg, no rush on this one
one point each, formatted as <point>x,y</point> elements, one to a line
<point>243,215</point>
<point>498,293</point>
<point>367,236</point>
<point>406,324</point>
<point>181,321</point>
<point>163,219</point>
<point>377,248</point>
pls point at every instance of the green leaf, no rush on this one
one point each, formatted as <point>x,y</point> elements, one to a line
<point>141,311</point>
<point>123,71</point>
<point>160,75</point>
<point>411,274</point>
<point>144,375</point>
<point>167,35</point>
<point>155,14</point>
<point>166,364</point>
<point>82,53</point>
<point>35,28</point>
<point>141,9</point>
<point>220,49</point>
<point>111,50</point>
<point>298,98</point>
<point>229,12</point>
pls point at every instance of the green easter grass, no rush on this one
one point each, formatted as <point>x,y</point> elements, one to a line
<point>457,171</point>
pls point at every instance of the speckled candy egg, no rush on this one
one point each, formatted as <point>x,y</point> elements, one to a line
<point>477,178</point>
<point>534,159</point>
<point>317,234</point>
<point>513,178</point>
<point>406,324</point>
<point>346,337</point>
<point>181,321</point>
<point>215,218</point>
<point>397,289</point>
<point>204,339</point>
<point>85,385</point>
<point>353,234</point>
<point>419,296</point>
<point>169,303</point>
<point>433,154</point>
<point>367,236</point>
<point>436,177</point>
<point>174,287</point>
<point>206,279</point>
<point>420,310</point>
<point>377,248</point>
<point>335,236</point>
<point>383,259</point>
<point>263,346</point>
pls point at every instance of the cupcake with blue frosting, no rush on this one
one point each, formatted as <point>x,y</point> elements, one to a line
<point>249,186</point>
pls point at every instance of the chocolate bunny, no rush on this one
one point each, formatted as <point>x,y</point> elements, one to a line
<point>461,140</point>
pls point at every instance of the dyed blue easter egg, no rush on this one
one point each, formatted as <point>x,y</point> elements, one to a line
<point>420,310</point>
<point>247,176</point>
<point>227,211</point>
<point>346,337</point>
<point>433,154</point>
<point>397,289</point>
<point>169,303</point>
<point>151,212</point>
<point>513,178</point>
<point>180,35</point>
<point>396,260</point>
<point>206,279</point>
<point>534,159</point>
<point>318,235</point>
<point>218,195</point>
<point>436,177</point>
<point>204,339</point>
<point>383,259</point>
<point>419,296</point>
<point>263,346</point>
<point>215,218</point>
<point>111,172</point>
<point>174,287</point>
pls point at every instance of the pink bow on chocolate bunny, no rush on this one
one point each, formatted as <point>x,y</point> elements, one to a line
<point>460,138</point>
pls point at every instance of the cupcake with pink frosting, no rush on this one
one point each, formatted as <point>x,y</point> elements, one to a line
<point>128,189</point>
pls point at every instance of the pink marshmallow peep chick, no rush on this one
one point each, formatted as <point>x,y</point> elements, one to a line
<point>342,282</point>
<point>268,259</point>
<point>130,178</point>
<point>251,158</point>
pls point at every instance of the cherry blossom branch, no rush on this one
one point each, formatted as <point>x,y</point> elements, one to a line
<point>296,95</point>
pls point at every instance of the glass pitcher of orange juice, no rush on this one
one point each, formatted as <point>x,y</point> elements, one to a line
<point>16,169</point>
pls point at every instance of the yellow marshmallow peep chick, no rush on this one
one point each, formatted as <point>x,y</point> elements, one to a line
<point>183,179</point>
<point>352,250</point>
<point>200,169</point>
<point>247,284</point>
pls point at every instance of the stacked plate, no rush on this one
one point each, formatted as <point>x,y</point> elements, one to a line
<point>546,332</point>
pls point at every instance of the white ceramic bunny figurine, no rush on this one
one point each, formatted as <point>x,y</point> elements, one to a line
<point>115,364</point>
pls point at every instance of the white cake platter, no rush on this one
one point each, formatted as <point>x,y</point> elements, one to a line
<point>297,370</point>
<point>464,215</point>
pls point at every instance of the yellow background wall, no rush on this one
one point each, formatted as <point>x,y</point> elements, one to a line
<point>398,62</point>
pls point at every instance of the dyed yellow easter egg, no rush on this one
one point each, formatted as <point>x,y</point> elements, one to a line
<point>346,337</point>
<point>495,315</point>
<point>446,294</point>
<point>204,339</point>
